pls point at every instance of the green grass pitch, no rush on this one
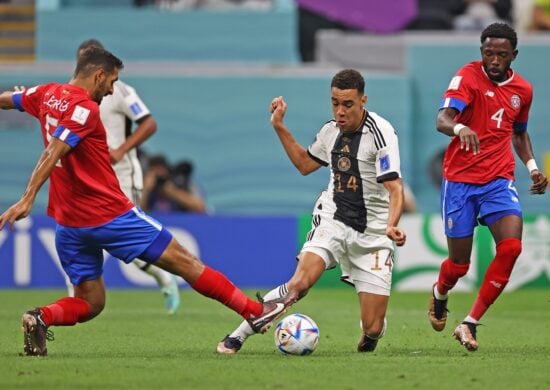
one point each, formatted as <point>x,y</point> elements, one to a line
<point>133,344</point>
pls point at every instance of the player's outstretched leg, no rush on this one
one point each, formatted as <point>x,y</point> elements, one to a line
<point>167,283</point>
<point>233,342</point>
<point>272,310</point>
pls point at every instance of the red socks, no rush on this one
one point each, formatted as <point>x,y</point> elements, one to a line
<point>497,276</point>
<point>449,273</point>
<point>214,284</point>
<point>65,311</point>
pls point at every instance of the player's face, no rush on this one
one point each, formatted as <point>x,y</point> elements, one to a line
<point>347,108</point>
<point>104,83</point>
<point>497,54</point>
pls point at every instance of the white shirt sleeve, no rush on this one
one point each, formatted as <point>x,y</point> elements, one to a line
<point>133,106</point>
<point>388,165</point>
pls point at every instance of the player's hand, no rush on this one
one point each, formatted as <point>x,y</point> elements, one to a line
<point>115,155</point>
<point>19,88</point>
<point>469,140</point>
<point>16,212</point>
<point>278,110</point>
<point>396,234</point>
<point>540,182</point>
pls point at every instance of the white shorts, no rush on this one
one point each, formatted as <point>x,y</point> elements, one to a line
<point>365,261</point>
<point>127,186</point>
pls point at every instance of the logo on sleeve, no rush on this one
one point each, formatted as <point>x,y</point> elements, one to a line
<point>80,114</point>
<point>30,91</point>
<point>384,163</point>
<point>455,83</point>
<point>136,108</point>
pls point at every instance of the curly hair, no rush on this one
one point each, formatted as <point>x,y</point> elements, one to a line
<point>500,30</point>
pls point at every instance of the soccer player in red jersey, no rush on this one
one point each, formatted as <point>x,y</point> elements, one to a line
<point>92,212</point>
<point>484,110</point>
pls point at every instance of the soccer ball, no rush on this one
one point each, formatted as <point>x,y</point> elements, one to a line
<point>296,334</point>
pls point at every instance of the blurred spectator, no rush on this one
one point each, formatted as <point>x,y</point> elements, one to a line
<point>349,15</point>
<point>141,3</point>
<point>168,190</point>
<point>474,15</point>
<point>183,5</point>
<point>309,23</point>
<point>541,15</point>
<point>434,15</point>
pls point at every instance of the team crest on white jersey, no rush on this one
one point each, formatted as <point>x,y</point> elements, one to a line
<point>515,101</point>
<point>344,164</point>
<point>80,114</point>
<point>455,82</point>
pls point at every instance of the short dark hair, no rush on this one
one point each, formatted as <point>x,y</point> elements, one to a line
<point>349,79</point>
<point>158,160</point>
<point>95,58</point>
<point>500,30</point>
<point>89,43</point>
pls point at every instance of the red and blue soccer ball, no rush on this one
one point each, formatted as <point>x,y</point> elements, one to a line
<point>297,334</point>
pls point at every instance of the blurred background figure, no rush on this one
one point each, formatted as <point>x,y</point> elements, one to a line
<point>183,5</point>
<point>168,189</point>
<point>541,15</point>
<point>433,15</point>
<point>349,15</point>
<point>474,15</point>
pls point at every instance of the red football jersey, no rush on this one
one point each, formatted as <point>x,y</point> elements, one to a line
<point>84,190</point>
<point>493,111</point>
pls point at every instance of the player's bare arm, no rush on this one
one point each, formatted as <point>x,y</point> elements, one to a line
<point>147,126</point>
<point>297,154</point>
<point>6,100</point>
<point>524,149</point>
<point>446,124</point>
<point>394,232</point>
<point>41,173</point>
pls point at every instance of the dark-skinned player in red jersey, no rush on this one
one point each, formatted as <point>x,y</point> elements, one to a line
<point>485,111</point>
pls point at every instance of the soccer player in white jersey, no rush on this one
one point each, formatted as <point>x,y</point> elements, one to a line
<point>355,219</point>
<point>118,112</point>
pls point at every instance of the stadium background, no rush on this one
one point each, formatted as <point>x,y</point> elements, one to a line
<point>208,78</point>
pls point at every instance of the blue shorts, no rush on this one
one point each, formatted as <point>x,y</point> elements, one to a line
<point>133,234</point>
<point>463,205</point>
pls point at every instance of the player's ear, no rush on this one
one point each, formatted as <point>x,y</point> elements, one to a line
<point>99,75</point>
<point>364,99</point>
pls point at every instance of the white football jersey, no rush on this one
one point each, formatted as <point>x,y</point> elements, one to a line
<point>118,112</point>
<point>360,162</point>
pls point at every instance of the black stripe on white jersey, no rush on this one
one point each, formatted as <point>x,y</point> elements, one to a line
<point>371,125</point>
<point>317,159</point>
<point>348,187</point>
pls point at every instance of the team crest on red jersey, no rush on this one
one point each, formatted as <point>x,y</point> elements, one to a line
<point>515,101</point>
